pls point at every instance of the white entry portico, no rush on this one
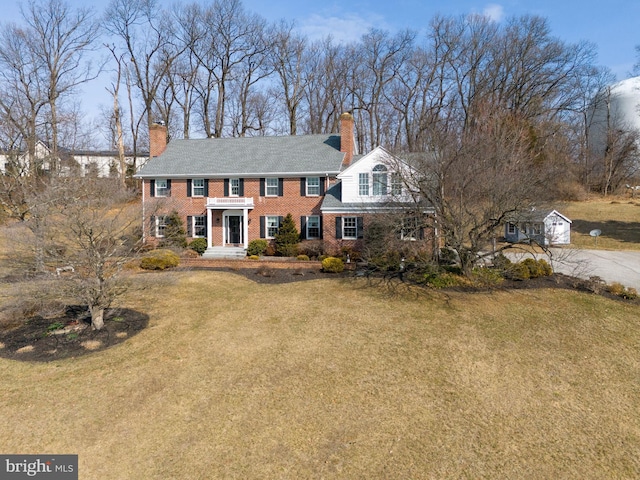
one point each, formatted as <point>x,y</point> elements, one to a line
<point>235,220</point>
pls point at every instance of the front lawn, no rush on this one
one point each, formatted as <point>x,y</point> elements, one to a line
<point>333,378</point>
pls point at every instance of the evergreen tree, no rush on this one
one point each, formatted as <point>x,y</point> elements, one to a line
<point>287,238</point>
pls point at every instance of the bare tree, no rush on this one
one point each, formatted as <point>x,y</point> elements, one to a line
<point>60,38</point>
<point>100,228</point>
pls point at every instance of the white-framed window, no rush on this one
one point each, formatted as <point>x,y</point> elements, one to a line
<point>162,187</point>
<point>271,187</point>
<point>272,224</point>
<point>313,186</point>
<point>350,228</point>
<point>199,226</point>
<point>511,228</point>
<point>363,184</point>
<point>410,229</point>
<point>396,184</point>
<point>313,227</point>
<point>161,224</point>
<point>380,179</point>
<point>197,187</point>
<point>234,187</point>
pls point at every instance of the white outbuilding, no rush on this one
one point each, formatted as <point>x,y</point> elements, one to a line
<point>544,228</point>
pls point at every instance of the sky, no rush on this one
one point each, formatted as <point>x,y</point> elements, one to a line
<point>611,25</point>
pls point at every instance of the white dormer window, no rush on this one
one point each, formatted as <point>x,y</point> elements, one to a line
<point>380,179</point>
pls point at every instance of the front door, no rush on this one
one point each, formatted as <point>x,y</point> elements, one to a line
<point>234,229</point>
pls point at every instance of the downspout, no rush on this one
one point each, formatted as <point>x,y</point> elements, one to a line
<point>144,235</point>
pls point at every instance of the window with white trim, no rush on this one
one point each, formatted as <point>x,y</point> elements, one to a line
<point>234,187</point>
<point>349,228</point>
<point>272,224</point>
<point>161,187</point>
<point>363,184</point>
<point>511,228</point>
<point>380,180</point>
<point>396,184</point>
<point>199,226</point>
<point>313,227</point>
<point>271,187</point>
<point>410,229</point>
<point>161,224</point>
<point>313,186</point>
<point>197,187</point>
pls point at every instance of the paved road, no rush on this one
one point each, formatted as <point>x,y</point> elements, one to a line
<point>611,266</point>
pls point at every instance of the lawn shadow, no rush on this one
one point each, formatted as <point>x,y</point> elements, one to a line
<point>628,232</point>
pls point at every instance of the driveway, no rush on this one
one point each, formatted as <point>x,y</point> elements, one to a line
<point>610,266</point>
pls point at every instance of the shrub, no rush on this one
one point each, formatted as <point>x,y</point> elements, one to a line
<point>518,271</point>
<point>537,268</point>
<point>287,238</point>
<point>445,280</point>
<point>620,290</point>
<point>303,258</point>
<point>159,260</point>
<point>487,277</point>
<point>312,248</point>
<point>257,247</point>
<point>254,257</point>
<point>199,245</point>
<point>332,265</point>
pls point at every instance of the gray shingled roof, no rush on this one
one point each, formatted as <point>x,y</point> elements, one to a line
<point>249,156</point>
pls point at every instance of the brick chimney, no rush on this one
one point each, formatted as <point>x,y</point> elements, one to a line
<point>347,141</point>
<point>157,139</point>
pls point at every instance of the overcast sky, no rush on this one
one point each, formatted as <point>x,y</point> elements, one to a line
<point>611,25</point>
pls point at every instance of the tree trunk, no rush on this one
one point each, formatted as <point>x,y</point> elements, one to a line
<point>97,317</point>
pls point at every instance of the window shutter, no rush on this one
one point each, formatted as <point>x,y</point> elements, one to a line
<point>189,183</point>
<point>226,187</point>
<point>338,227</point>
<point>152,225</point>
<point>189,226</point>
<point>152,187</point>
<point>360,227</point>
<point>280,220</point>
<point>322,185</point>
<point>241,187</point>
<point>320,227</point>
<point>280,187</point>
<point>168,187</point>
<point>303,227</point>
<point>206,187</point>
<point>262,189</point>
<point>303,187</point>
<point>262,227</point>
<point>421,233</point>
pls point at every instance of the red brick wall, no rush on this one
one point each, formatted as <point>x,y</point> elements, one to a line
<point>291,202</point>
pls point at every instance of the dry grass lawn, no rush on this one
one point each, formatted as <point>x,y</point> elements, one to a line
<point>334,379</point>
<point>618,219</point>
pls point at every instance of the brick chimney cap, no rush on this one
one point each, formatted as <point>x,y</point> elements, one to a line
<point>346,116</point>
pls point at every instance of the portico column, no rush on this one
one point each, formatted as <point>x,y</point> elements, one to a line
<point>245,227</point>
<point>209,228</point>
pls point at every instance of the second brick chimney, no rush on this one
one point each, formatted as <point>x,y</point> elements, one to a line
<point>347,141</point>
<point>157,140</point>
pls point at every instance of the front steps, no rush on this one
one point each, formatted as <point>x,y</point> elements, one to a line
<point>225,252</point>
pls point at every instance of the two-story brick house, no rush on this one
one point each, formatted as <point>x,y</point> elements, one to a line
<point>233,190</point>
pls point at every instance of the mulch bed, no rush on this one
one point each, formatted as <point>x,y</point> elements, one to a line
<point>68,335</point>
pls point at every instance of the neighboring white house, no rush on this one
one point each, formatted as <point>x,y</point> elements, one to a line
<point>551,228</point>
<point>84,163</point>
